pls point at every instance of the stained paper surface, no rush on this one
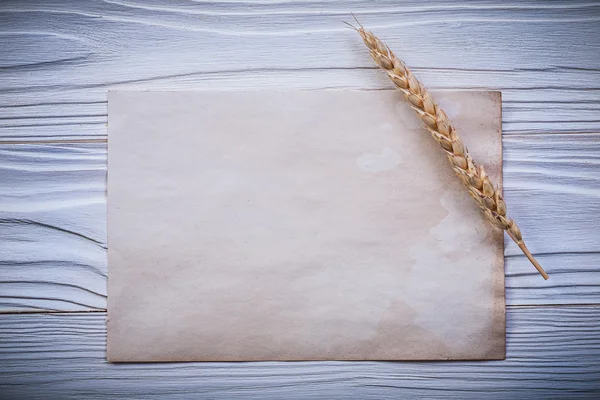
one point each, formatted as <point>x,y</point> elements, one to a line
<point>298,226</point>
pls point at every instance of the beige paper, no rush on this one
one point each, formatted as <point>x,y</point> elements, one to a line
<point>298,226</point>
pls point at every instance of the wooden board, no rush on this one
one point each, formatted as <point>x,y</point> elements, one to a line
<point>553,353</point>
<point>54,222</point>
<point>58,59</point>
<point>61,57</point>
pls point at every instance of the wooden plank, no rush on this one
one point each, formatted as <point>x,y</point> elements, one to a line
<point>258,35</point>
<point>552,189</point>
<point>81,113</point>
<point>61,57</point>
<point>552,353</point>
<point>52,227</point>
<point>53,235</point>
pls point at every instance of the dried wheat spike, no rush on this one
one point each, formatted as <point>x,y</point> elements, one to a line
<point>481,188</point>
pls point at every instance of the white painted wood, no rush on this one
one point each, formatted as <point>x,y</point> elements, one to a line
<point>553,353</point>
<point>53,237</point>
<point>52,227</point>
<point>58,59</point>
<point>81,113</point>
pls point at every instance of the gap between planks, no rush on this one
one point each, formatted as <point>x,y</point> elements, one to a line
<point>105,140</point>
<point>50,141</point>
<point>104,310</point>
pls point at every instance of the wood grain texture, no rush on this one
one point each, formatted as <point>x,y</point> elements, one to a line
<point>59,58</point>
<point>53,217</point>
<point>553,353</point>
<point>52,227</point>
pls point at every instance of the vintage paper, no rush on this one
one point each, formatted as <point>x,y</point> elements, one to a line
<point>298,226</point>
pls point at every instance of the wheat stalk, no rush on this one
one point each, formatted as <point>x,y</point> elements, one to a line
<point>481,189</point>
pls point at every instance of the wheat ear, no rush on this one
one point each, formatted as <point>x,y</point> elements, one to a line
<point>481,189</point>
